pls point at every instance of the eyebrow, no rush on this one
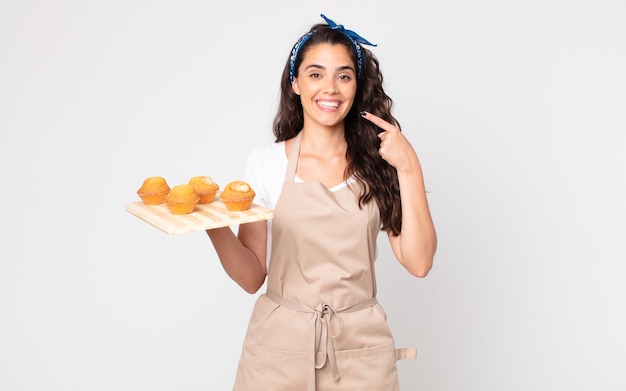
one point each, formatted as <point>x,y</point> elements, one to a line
<point>341,68</point>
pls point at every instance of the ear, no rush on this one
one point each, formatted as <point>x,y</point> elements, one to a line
<point>294,86</point>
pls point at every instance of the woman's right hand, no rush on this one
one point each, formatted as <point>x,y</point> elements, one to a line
<point>243,256</point>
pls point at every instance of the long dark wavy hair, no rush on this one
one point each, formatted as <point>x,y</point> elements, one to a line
<point>378,178</point>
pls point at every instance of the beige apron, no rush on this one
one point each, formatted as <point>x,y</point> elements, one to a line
<point>319,326</point>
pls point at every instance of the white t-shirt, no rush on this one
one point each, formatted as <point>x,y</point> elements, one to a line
<point>264,170</point>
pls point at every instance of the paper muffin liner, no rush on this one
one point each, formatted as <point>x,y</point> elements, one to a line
<point>182,208</point>
<point>206,197</point>
<point>238,204</point>
<point>154,198</point>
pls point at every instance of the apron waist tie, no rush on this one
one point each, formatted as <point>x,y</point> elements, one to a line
<point>320,341</point>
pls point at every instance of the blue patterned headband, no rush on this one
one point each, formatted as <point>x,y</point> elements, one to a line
<point>352,36</point>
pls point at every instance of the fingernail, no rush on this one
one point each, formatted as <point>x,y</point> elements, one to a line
<point>362,113</point>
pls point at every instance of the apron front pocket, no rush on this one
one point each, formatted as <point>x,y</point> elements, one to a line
<point>271,369</point>
<point>367,369</point>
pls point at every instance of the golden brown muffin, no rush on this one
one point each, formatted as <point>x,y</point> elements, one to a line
<point>153,190</point>
<point>205,188</point>
<point>182,199</point>
<point>237,196</point>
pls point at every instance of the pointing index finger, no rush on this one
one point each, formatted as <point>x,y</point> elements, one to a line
<point>381,123</point>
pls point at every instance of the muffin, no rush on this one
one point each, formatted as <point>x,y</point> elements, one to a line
<point>153,190</point>
<point>205,188</point>
<point>182,199</point>
<point>237,196</point>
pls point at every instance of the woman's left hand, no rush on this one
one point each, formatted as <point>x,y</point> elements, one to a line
<point>394,147</point>
<point>416,244</point>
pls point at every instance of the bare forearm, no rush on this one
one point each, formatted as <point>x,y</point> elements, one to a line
<point>246,266</point>
<point>416,245</point>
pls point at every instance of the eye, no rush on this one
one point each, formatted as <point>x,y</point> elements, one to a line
<point>345,77</point>
<point>315,75</point>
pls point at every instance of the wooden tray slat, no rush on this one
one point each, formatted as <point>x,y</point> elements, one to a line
<point>206,216</point>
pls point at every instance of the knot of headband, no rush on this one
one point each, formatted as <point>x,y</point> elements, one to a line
<point>354,38</point>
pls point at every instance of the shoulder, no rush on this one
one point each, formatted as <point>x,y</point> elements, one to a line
<point>266,158</point>
<point>268,152</point>
<point>264,170</point>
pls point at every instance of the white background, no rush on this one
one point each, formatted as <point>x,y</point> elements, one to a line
<point>516,109</point>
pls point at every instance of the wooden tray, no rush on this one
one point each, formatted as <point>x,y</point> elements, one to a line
<point>206,216</point>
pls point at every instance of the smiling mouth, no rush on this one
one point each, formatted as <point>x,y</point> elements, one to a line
<point>327,104</point>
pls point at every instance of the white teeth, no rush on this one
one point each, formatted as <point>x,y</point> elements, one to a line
<point>331,105</point>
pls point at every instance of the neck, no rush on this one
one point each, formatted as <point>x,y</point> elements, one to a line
<point>324,142</point>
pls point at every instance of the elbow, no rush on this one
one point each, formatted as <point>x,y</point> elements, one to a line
<point>421,271</point>
<point>420,267</point>
<point>253,287</point>
<point>418,260</point>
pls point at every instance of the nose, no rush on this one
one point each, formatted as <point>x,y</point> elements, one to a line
<point>331,86</point>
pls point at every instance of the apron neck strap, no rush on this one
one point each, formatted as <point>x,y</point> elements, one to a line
<point>292,162</point>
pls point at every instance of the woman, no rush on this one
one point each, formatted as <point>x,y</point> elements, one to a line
<point>339,172</point>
